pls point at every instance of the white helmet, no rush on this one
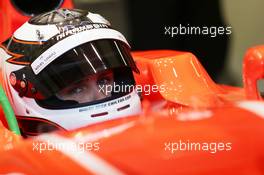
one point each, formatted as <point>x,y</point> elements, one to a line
<point>61,69</point>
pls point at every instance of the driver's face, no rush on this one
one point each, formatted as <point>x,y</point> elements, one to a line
<point>88,89</point>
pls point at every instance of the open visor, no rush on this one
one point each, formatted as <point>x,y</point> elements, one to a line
<point>74,65</point>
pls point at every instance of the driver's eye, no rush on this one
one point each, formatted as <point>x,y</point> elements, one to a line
<point>76,90</point>
<point>103,81</point>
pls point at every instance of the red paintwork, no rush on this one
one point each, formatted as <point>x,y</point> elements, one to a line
<point>185,80</point>
<point>140,149</point>
<point>253,69</point>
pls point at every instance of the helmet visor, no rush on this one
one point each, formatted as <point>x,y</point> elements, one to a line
<point>93,89</point>
<point>76,64</point>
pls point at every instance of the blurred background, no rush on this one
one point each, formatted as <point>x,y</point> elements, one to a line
<point>143,22</point>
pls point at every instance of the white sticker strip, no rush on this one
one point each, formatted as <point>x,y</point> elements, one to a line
<point>106,133</point>
<point>96,18</point>
<point>71,42</point>
<point>256,107</point>
<point>28,32</point>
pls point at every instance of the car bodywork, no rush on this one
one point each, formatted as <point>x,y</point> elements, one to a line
<point>191,110</point>
<point>146,144</point>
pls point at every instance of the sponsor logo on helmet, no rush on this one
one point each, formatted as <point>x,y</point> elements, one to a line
<point>71,29</point>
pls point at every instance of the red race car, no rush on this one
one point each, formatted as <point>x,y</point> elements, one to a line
<point>219,132</point>
<point>188,124</point>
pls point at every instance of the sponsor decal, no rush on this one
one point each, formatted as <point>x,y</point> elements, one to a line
<point>71,29</point>
<point>107,104</point>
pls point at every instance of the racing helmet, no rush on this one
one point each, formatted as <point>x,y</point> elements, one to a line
<point>66,69</point>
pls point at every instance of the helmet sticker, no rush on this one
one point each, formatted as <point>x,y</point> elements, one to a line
<point>71,30</point>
